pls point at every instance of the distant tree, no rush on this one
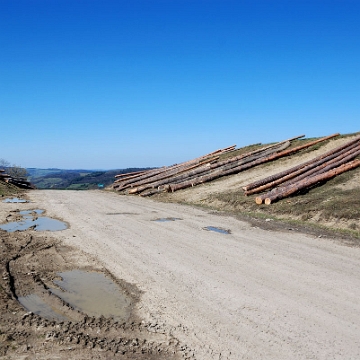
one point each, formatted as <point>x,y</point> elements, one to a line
<point>17,172</point>
<point>4,164</point>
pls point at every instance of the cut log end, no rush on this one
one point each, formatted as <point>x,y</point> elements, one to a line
<point>133,191</point>
<point>267,201</point>
<point>258,200</point>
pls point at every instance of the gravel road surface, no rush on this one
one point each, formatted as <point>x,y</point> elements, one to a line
<point>250,294</point>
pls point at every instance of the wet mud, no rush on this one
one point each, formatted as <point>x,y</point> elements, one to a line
<point>38,306</point>
<point>166,219</point>
<point>42,315</point>
<point>29,219</point>
<point>93,293</point>
<point>217,229</point>
<point>15,200</point>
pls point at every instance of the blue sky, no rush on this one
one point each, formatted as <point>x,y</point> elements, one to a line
<point>115,84</point>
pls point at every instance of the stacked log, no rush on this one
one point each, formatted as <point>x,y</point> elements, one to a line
<point>167,171</point>
<point>18,182</point>
<point>291,189</point>
<point>205,168</point>
<point>307,174</point>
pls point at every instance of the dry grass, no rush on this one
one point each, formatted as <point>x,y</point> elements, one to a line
<point>8,189</point>
<point>328,203</point>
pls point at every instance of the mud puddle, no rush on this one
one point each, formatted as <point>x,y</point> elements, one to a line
<point>39,307</point>
<point>166,219</point>
<point>93,293</point>
<point>217,229</point>
<point>30,220</point>
<point>32,317</point>
<point>14,200</point>
<point>30,212</point>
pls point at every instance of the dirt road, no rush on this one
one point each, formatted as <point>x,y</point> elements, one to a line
<point>250,294</point>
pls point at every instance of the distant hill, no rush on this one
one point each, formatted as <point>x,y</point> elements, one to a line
<point>78,179</point>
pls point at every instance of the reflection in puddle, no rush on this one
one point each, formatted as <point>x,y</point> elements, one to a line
<point>166,219</point>
<point>217,229</point>
<point>29,212</point>
<point>14,200</point>
<point>37,306</point>
<point>30,220</point>
<point>93,293</point>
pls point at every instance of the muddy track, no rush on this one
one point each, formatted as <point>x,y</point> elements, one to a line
<point>28,265</point>
<point>245,293</point>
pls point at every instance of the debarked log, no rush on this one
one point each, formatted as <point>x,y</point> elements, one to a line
<point>302,184</point>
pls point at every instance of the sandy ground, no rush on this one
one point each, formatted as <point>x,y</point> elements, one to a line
<point>251,294</point>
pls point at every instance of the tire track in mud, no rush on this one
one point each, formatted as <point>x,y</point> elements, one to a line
<point>28,265</point>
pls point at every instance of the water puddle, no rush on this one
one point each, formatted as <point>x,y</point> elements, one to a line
<point>93,293</point>
<point>37,306</point>
<point>30,220</point>
<point>14,200</point>
<point>29,212</point>
<point>166,219</point>
<point>217,229</point>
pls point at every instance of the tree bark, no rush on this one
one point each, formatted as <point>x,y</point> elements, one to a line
<point>215,175</point>
<point>302,184</point>
<point>304,169</point>
<point>286,172</point>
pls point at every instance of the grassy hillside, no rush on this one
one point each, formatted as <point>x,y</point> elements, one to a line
<point>333,204</point>
<point>9,190</point>
<point>73,179</point>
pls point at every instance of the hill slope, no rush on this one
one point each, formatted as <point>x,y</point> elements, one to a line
<point>335,204</point>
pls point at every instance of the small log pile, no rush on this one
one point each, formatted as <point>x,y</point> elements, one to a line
<point>205,168</point>
<point>18,182</point>
<point>306,175</point>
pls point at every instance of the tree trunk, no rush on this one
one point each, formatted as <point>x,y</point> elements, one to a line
<point>202,179</point>
<point>303,184</point>
<point>306,170</point>
<point>286,172</point>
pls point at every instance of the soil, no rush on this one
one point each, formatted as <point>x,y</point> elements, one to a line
<point>258,290</point>
<point>29,262</point>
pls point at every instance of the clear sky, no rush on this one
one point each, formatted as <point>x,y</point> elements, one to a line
<point>134,83</point>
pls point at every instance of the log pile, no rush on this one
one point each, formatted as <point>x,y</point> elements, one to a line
<point>18,182</point>
<point>306,175</point>
<point>205,168</point>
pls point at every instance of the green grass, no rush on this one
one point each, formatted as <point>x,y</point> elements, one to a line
<point>84,186</point>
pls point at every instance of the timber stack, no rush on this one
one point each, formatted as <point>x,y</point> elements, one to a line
<point>18,182</point>
<point>306,175</point>
<point>205,168</point>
